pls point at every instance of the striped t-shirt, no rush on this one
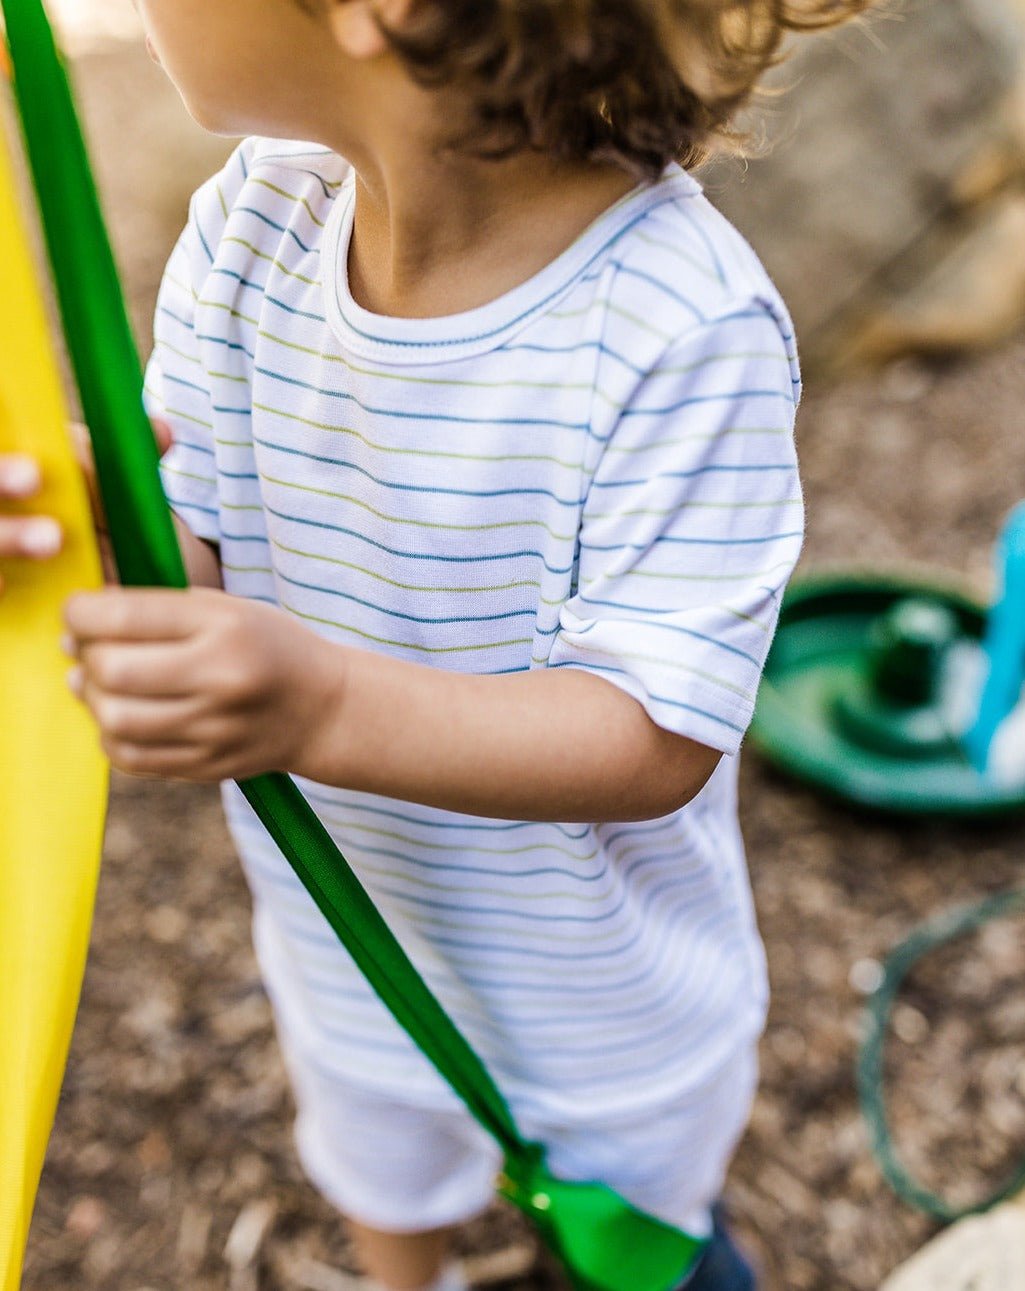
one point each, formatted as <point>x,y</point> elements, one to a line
<point>594,471</point>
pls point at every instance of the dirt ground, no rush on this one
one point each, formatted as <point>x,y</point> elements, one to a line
<point>171,1164</point>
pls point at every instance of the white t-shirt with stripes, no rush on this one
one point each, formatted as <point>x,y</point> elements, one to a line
<point>594,471</point>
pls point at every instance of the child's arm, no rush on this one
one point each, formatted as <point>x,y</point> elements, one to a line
<point>549,745</point>
<point>202,559</point>
<point>203,686</point>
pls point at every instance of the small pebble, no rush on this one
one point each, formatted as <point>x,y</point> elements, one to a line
<point>86,1217</point>
<point>865,976</point>
<point>909,1024</point>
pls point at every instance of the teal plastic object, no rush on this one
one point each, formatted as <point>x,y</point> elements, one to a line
<point>1004,642</point>
<point>870,688</point>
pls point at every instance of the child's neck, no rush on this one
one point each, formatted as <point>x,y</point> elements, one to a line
<point>441,236</point>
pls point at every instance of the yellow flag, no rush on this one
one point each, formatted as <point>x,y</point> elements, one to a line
<point>53,777</point>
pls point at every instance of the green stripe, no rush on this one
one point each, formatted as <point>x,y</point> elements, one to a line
<point>247,569</point>
<point>278,264</point>
<point>677,252</point>
<point>415,452</point>
<point>420,524</point>
<point>410,587</point>
<point>189,358</point>
<point>298,201</point>
<point>187,416</point>
<point>188,475</point>
<point>696,578</point>
<point>186,289</point>
<point>612,308</point>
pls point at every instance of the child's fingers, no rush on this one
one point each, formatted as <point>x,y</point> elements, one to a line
<point>34,537</point>
<point>143,722</point>
<point>130,614</point>
<point>20,476</point>
<point>136,671</point>
<point>37,537</point>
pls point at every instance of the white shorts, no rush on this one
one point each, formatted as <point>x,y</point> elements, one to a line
<point>401,1168</point>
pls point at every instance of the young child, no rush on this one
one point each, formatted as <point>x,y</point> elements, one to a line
<point>486,431</point>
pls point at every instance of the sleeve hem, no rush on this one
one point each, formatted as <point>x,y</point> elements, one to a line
<point>697,713</point>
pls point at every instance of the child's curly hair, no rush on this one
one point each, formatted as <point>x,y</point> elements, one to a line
<point>637,83</point>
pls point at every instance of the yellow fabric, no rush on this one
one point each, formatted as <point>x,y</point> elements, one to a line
<point>53,777</point>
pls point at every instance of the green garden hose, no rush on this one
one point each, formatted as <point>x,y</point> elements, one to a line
<point>927,937</point>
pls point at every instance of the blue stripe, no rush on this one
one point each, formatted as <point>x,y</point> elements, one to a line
<point>175,503</point>
<point>658,620</point>
<point>418,555</point>
<point>419,415</point>
<point>753,469</point>
<point>702,233</point>
<point>193,447</point>
<point>182,322</point>
<point>279,228</point>
<point>659,285</point>
<point>417,488</point>
<point>689,542</point>
<point>600,346</point>
<point>261,291</point>
<point>203,241</point>
<point>655,699</point>
<point>189,385</point>
<point>728,396</point>
<point>527,612</point>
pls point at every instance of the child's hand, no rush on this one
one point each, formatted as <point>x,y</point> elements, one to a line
<point>30,537</point>
<point>39,537</point>
<point>197,684</point>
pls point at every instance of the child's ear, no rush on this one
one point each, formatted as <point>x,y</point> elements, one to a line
<point>357,24</point>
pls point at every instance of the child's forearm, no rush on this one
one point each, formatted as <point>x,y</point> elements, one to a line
<point>562,745</point>
<point>202,562</point>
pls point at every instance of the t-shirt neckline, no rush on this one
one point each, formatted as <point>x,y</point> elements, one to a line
<point>387,339</point>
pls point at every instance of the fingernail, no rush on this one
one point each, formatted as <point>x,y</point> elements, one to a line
<point>41,538</point>
<point>67,644</point>
<point>19,475</point>
<point>75,681</point>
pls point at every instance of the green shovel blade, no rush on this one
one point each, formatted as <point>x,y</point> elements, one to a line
<point>604,1243</point>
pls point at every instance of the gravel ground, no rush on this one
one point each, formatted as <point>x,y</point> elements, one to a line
<point>171,1164</point>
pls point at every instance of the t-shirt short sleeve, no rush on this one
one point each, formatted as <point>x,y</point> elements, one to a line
<point>691,527</point>
<point>176,387</point>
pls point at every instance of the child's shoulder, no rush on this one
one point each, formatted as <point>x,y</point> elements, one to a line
<point>678,277</point>
<point>684,259</point>
<point>266,187</point>
<point>255,158</point>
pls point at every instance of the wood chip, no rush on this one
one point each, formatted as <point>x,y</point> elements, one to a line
<point>248,1231</point>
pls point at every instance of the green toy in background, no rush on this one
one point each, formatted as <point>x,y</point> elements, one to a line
<point>604,1243</point>
<point>902,694</point>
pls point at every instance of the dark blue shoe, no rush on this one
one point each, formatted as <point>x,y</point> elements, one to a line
<point>722,1266</point>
